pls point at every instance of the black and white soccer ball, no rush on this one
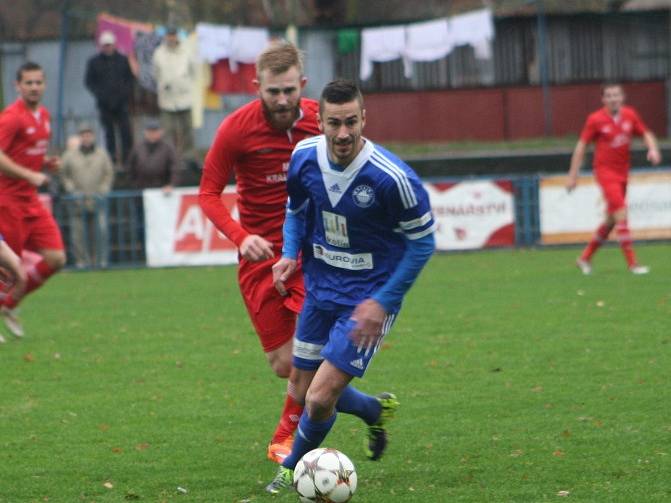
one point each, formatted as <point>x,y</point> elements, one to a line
<point>325,476</point>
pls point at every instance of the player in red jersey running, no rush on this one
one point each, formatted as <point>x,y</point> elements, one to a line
<point>255,142</point>
<point>611,129</point>
<point>24,222</point>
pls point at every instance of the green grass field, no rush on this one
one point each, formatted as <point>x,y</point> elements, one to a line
<point>518,379</point>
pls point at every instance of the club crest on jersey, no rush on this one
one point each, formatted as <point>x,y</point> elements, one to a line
<point>363,196</point>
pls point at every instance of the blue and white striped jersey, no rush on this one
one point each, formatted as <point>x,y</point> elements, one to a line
<point>357,220</point>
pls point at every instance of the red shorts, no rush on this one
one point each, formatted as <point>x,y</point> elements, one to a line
<point>29,226</point>
<point>273,316</point>
<point>614,192</point>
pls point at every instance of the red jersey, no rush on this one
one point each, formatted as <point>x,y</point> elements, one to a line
<point>259,155</point>
<point>24,138</point>
<point>612,137</point>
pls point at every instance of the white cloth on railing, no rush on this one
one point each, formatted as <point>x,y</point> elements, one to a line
<point>475,28</point>
<point>380,45</point>
<point>427,41</point>
<point>214,41</point>
<point>246,45</point>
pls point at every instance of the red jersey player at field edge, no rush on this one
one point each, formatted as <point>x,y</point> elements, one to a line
<point>24,222</point>
<point>255,142</point>
<point>611,129</point>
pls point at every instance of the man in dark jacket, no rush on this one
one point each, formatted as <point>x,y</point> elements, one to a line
<point>110,80</point>
<point>153,162</point>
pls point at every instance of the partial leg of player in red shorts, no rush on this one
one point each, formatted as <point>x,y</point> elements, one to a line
<point>274,319</point>
<point>36,230</point>
<point>616,218</point>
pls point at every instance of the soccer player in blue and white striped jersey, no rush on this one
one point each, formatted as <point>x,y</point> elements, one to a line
<point>363,223</point>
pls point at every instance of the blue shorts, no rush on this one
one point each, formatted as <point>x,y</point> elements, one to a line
<point>323,334</point>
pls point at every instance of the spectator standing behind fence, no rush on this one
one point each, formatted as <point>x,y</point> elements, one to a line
<point>174,69</point>
<point>110,80</point>
<point>87,175</point>
<point>153,162</point>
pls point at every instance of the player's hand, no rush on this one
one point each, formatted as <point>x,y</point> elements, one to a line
<point>369,317</point>
<point>654,157</point>
<point>52,163</point>
<point>38,179</point>
<point>571,183</point>
<point>282,270</point>
<point>255,249</point>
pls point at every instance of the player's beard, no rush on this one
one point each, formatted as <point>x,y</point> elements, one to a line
<point>281,117</point>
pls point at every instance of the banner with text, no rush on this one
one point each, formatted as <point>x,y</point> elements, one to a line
<point>473,214</point>
<point>469,215</point>
<point>177,232</point>
<point>573,217</point>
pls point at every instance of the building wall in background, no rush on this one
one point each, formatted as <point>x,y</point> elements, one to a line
<point>456,98</point>
<point>495,114</point>
<point>581,48</point>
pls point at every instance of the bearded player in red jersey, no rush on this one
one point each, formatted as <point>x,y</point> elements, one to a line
<point>611,129</point>
<point>255,142</point>
<point>24,222</point>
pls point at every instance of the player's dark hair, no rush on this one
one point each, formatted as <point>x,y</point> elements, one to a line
<point>340,91</point>
<point>28,66</point>
<point>608,85</point>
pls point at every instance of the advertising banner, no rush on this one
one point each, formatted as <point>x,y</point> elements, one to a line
<point>469,215</point>
<point>177,232</point>
<point>473,214</point>
<point>573,217</point>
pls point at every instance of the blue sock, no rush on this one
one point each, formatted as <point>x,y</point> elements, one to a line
<point>308,436</point>
<point>352,401</point>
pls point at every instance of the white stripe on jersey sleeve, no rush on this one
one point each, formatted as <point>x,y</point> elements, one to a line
<point>404,188</point>
<point>417,222</point>
<point>421,234</point>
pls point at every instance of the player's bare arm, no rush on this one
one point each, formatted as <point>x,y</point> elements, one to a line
<point>282,271</point>
<point>9,167</point>
<point>654,156</point>
<point>577,159</point>
<point>369,317</point>
<point>255,248</point>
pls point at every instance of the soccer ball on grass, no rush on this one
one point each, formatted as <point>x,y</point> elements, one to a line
<point>325,476</point>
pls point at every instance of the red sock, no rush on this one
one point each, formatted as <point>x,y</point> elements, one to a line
<point>624,237</point>
<point>36,277</point>
<point>289,420</point>
<point>597,240</point>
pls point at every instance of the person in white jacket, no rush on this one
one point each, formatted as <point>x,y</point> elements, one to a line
<point>174,69</point>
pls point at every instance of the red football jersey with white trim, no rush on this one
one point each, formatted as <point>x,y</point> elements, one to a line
<point>612,137</point>
<point>247,145</point>
<point>24,137</point>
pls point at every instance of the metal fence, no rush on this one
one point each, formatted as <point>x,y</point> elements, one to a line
<point>102,232</point>
<point>112,229</point>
